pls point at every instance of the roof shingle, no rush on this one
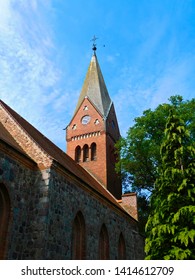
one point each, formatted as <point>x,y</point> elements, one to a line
<point>95,89</point>
<point>6,137</point>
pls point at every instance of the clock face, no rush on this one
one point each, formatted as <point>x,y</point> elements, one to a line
<point>85,119</point>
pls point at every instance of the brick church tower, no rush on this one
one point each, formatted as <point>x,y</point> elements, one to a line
<point>93,130</point>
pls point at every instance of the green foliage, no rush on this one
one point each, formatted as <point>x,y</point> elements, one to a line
<point>170,227</point>
<point>140,150</point>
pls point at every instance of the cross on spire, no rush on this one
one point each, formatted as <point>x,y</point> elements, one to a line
<point>94,43</point>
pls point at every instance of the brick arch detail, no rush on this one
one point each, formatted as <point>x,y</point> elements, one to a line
<point>104,244</point>
<point>93,148</point>
<point>85,153</point>
<point>121,248</point>
<point>78,237</point>
<point>78,153</point>
<point>5,213</point>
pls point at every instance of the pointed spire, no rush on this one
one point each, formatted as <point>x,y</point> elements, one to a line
<point>95,89</point>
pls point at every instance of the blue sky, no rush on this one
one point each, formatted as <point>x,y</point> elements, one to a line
<point>146,50</point>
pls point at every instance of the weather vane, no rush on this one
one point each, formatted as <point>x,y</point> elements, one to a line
<point>94,44</point>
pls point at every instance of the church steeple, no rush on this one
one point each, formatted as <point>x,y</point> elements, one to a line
<point>94,88</point>
<point>93,130</point>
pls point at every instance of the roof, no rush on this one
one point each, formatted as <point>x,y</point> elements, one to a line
<point>6,137</point>
<point>56,153</point>
<point>95,89</point>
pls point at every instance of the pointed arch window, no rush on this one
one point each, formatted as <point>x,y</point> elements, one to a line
<point>78,154</point>
<point>85,153</point>
<point>104,244</point>
<point>5,207</point>
<point>78,237</point>
<point>121,248</point>
<point>93,151</point>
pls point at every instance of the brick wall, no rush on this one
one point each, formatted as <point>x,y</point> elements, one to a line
<point>104,134</point>
<point>29,146</point>
<point>78,134</point>
<point>129,203</point>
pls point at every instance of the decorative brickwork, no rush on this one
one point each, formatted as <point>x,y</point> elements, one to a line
<point>27,144</point>
<point>95,121</point>
<point>104,248</point>
<point>78,237</point>
<point>129,203</point>
<point>121,248</point>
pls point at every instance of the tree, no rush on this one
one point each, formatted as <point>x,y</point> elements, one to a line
<point>171,225</point>
<point>139,152</point>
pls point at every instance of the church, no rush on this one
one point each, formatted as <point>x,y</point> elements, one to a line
<point>63,206</point>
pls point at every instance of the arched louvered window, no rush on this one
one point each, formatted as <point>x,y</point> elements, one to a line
<point>4,219</point>
<point>78,237</point>
<point>104,244</point>
<point>93,151</point>
<point>85,153</point>
<point>121,248</point>
<point>78,154</point>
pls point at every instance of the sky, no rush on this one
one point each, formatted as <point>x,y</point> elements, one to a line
<point>145,48</point>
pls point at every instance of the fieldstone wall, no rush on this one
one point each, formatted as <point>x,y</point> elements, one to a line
<point>26,189</point>
<point>66,198</point>
<point>44,205</point>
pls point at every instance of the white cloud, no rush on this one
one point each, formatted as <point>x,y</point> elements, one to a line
<point>34,4</point>
<point>29,76</point>
<point>32,83</point>
<point>173,81</point>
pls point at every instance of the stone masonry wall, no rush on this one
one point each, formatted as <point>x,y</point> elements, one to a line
<point>66,198</point>
<point>27,191</point>
<point>43,207</point>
